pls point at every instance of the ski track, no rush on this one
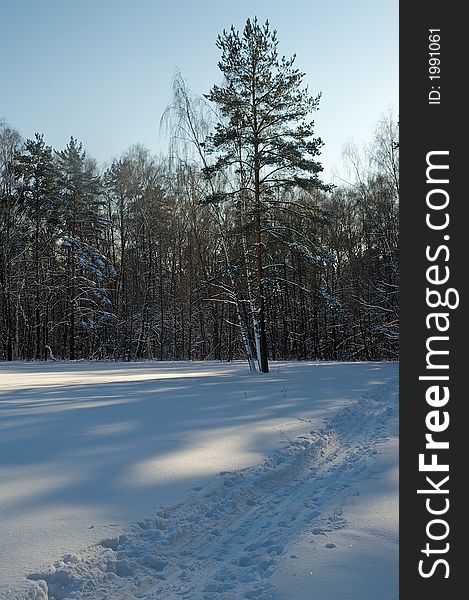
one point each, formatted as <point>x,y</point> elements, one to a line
<point>224,540</point>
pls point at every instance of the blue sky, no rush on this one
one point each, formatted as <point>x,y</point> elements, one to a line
<point>101,70</point>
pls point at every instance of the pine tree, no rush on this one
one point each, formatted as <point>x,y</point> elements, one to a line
<point>264,136</point>
<point>38,189</point>
<point>82,225</point>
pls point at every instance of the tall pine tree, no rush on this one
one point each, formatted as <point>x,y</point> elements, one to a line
<point>83,224</point>
<point>38,189</point>
<point>264,137</point>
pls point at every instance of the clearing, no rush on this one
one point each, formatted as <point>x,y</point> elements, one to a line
<point>198,481</point>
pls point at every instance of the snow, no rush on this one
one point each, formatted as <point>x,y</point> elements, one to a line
<point>198,481</point>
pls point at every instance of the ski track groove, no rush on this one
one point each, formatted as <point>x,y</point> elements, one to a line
<point>203,548</point>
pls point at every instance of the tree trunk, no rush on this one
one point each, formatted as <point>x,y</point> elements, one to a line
<point>260,317</point>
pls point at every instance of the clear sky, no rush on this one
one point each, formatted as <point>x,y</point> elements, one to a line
<point>101,70</point>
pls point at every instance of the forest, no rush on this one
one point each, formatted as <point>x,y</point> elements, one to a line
<point>230,246</point>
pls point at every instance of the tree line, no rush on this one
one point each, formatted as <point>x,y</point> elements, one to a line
<point>230,247</point>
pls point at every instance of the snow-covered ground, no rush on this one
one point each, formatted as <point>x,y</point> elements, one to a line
<point>198,481</point>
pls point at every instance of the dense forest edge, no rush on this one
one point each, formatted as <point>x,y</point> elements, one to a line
<point>231,246</point>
